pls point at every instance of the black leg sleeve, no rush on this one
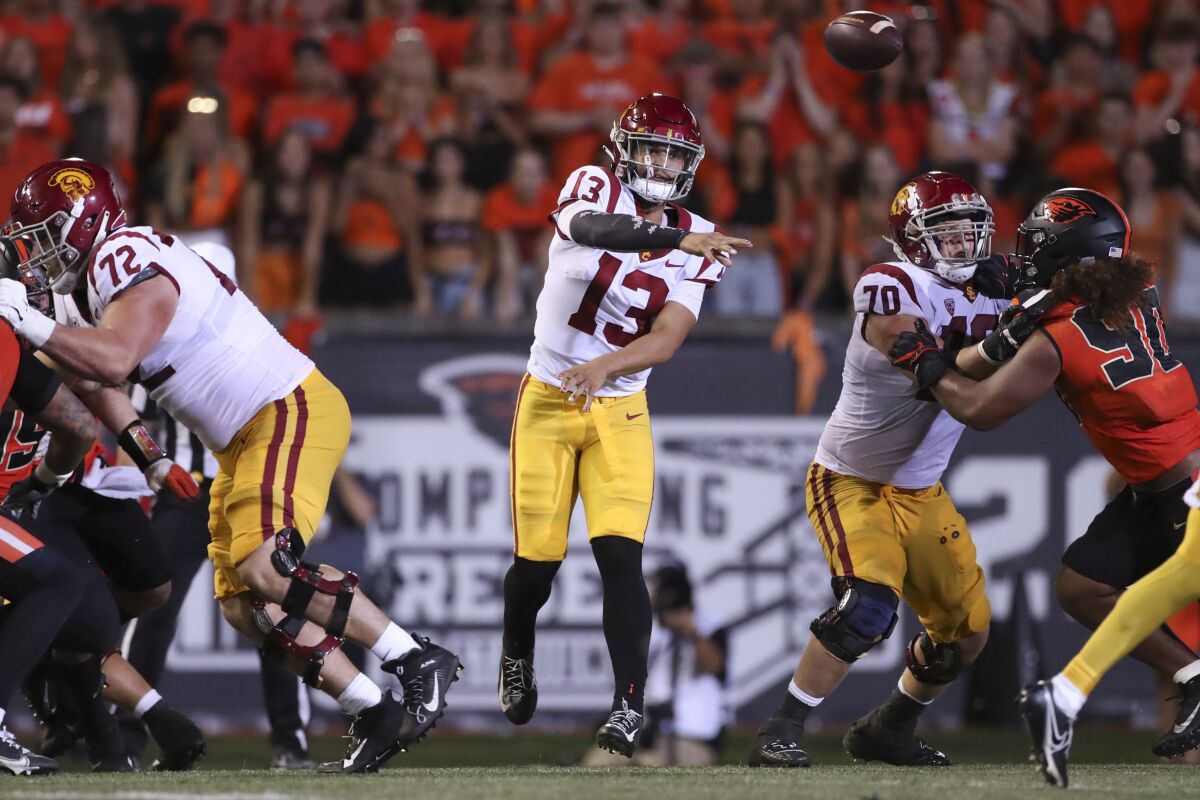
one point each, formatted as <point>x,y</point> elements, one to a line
<point>526,589</point>
<point>627,616</point>
<point>42,588</point>
<point>94,626</point>
<point>286,712</point>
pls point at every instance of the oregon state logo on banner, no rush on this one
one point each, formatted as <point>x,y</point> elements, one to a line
<point>75,183</point>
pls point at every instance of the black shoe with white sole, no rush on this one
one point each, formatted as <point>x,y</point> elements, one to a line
<point>180,742</point>
<point>518,689</point>
<point>425,674</point>
<point>1184,735</point>
<point>777,744</point>
<point>1049,729</point>
<point>620,734</point>
<point>872,739</point>
<point>20,760</point>
<point>374,737</point>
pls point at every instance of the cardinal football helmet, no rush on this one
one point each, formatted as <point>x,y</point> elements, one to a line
<point>60,212</point>
<point>940,222</point>
<point>1068,225</point>
<point>655,132</point>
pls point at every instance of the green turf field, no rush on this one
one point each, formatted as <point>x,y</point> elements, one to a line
<point>1108,764</point>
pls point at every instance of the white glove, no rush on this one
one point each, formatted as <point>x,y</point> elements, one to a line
<point>25,320</point>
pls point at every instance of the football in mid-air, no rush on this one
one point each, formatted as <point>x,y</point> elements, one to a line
<point>863,40</point>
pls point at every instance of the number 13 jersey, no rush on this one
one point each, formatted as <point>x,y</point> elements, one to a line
<point>594,301</point>
<point>881,431</point>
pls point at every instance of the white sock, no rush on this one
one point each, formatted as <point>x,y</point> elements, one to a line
<point>798,693</point>
<point>1067,696</point>
<point>2,713</point>
<point>1187,673</point>
<point>905,692</point>
<point>147,702</point>
<point>361,694</point>
<point>394,642</point>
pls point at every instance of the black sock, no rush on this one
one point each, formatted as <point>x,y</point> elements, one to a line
<point>900,711</point>
<point>794,709</point>
<point>627,616</point>
<point>526,589</point>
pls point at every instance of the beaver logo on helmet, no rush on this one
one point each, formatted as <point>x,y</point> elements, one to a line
<point>1061,209</point>
<point>74,182</point>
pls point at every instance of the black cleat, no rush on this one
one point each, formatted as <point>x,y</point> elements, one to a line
<point>48,692</point>
<point>290,758</point>
<point>517,686</point>
<point>373,737</point>
<point>21,760</point>
<point>180,742</point>
<point>1050,730</point>
<point>870,739</point>
<point>425,674</point>
<point>620,734</point>
<point>1184,735</point>
<point>777,744</point>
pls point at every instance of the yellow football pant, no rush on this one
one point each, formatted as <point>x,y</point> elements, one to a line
<point>559,451</point>
<point>275,474</point>
<point>913,541</point>
<point>1141,608</point>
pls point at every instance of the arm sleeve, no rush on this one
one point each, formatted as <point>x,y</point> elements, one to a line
<point>621,233</point>
<point>34,385</point>
<point>886,289</point>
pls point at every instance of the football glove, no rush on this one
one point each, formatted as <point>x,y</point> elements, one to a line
<point>1016,324</point>
<point>917,352</point>
<point>166,473</point>
<point>37,487</point>
<point>996,276</point>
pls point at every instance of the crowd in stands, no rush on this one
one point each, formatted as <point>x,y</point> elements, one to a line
<point>404,155</point>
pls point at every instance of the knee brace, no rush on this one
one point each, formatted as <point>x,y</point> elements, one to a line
<point>942,662</point>
<point>864,616</point>
<point>306,580</point>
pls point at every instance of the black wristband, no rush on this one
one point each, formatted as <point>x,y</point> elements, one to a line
<point>137,442</point>
<point>622,233</point>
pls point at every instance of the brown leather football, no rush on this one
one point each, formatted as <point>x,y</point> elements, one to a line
<point>863,40</point>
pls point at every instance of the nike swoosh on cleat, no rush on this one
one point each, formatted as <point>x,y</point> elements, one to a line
<point>432,705</point>
<point>1183,726</point>
<point>349,762</point>
<point>16,764</point>
<point>1180,525</point>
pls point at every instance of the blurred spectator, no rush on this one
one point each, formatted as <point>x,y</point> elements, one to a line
<point>890,112</point>
<point>514,218</point>
<point>406,98</point>
<point>198,183</point>
<point>864,216</point>
<point>743,38</point>
<point>101,99</point>
<point>375,225</point>
<point>20,151</point>
<point>973,122</point>
<point>205,48</point>
<point>923,55</point>
<point>46,27</point>
<point>317,108</point>
<point>696,77</point>
<point>388,17</point>
<point>1093,162</point>
<point>1010,52</point>
<point>1169,94</point>
<point>1127,22</point>
<point>284,218</point>
<point>144,29</point>
<point>663,30</point>
<point>452,274</point>
<point>321,21</point>
<point>809,227</point>
<point>1156,216</point>
<point>1099,25</point>
<point>1185,295</point>
<point>748,206</point>
<point>582,94</point>
<point>489,90</point>
<point>42,112</point>
<point>1063,111</point>
<point>686,699</point>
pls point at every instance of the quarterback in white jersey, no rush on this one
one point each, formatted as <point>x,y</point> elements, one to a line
<point>626,278</point>
<point>163,316</point>
<point>886,525</point>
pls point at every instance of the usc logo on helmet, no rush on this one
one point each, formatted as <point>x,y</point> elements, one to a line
<point>1061,210</point>
<point>74,182</point>
<point>906,200</point>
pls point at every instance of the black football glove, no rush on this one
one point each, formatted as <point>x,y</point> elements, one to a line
<point>917,352</point>
<point>1017,323</point>
<point>28,493</point>
<point>996,276</point>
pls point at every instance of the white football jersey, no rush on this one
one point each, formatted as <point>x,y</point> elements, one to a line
<point>220,360</point>
<point>881,431</point>
<point>596,302</point>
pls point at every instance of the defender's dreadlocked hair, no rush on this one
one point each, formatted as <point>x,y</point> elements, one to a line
<point>1110,287</point>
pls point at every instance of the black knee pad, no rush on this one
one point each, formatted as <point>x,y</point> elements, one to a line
<point>864,616</point>
<point>616,554</point>
<point>942,662</point>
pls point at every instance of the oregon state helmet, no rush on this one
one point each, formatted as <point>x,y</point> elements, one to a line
<point>940,222</point>
<point>60,212</point>
<point>1068,225</point>
<point>653,133</point>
